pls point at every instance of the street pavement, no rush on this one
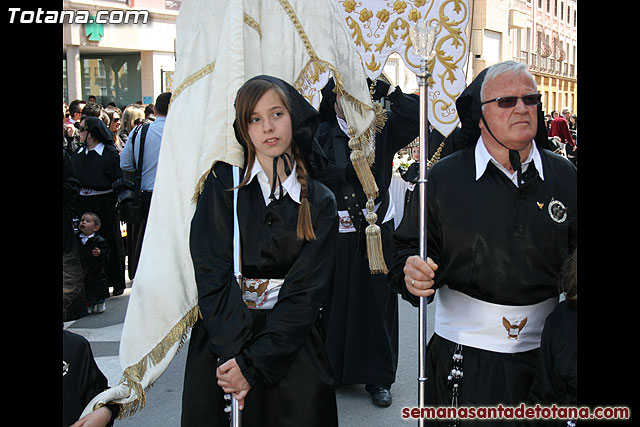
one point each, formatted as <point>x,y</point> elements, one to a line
<point>163,405</point>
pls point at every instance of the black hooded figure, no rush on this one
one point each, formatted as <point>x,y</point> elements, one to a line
<point>499,247</point>
<point>361,311</point>
<point>97,166</point>
<point>271,333</point>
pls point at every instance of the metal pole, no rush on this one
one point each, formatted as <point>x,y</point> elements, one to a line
<point>422,38</point>
<point>235,419</point>
<point>422,198</point>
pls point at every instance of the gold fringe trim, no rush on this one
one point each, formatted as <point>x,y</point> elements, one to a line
<point>200,185</point>
<point>133,375</point>
<point>317,66</point>
<point>253,24</point>
<point>207,69</point>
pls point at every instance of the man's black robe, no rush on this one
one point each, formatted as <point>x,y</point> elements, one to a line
<point>495,242</point>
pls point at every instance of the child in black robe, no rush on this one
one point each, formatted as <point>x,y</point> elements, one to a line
<point>94,252</point>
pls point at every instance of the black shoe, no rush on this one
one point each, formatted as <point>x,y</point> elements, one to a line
<point>117,292</point>
<point>381,396</point>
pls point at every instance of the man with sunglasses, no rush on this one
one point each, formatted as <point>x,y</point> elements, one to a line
<point>501,221</point>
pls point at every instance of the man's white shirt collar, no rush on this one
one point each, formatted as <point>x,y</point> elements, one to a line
<point>483,157</point>
<point>290,186</point>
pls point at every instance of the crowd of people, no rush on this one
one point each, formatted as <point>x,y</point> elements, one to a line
<point>101,151</point>
<point>95,156</point>
<point>309,315</point>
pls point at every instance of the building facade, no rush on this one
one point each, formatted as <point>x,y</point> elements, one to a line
<point>131,62</point>
<point>125,56</point>
<point>539,33</point>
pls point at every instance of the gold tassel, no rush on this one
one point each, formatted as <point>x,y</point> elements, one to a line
<point>374,241</point>
<point>365,176</point>
<point>362,166</point>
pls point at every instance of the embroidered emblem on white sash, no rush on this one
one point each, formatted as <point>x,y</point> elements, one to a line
<point>346,222</point>
<point>513,330</point>
<point>557,211</point>
<point>253,292</point>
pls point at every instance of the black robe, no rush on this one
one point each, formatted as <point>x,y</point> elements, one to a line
<point>98,172</point>
<point>497,243</point>
<point>362,321</point>
<point>556,374</point>
<point>82,379</point>
<point>280,351</point>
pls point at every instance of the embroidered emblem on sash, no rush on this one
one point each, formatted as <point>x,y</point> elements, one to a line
<point>254,292</point>
<point>557,211</point>
<point>65,368</point>
<point>346,222</point>
<point>513,330</point>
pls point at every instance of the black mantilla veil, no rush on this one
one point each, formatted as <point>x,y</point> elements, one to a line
<point>304,122</point>
<point>469,106</point>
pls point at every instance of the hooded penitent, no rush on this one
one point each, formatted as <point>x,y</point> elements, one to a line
<point>469,105</point>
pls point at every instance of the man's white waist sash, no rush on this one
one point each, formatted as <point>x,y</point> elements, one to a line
<point>501,328</point>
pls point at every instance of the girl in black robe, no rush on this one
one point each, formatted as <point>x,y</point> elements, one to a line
<point>272,360</point>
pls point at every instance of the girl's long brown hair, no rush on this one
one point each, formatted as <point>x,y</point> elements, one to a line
<point>246,100</point>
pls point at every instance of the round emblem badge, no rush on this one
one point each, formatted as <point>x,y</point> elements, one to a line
<point>557,211</point>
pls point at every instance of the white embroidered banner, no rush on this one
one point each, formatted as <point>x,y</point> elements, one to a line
<point>381,27</point>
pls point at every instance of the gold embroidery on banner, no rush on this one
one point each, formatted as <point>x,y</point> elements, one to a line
<point>316,66</point>
<point>361,163</point>
<point>207,69</point>
<point>253,24</point>
<point>379,25</point>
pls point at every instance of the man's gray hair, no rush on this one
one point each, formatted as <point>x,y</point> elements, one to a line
<point>506,67</point>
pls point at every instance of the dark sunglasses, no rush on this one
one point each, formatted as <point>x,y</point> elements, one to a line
<point>511,101</point>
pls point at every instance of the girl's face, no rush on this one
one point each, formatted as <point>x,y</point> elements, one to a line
<point>415,153</point>
<point>270,127</point>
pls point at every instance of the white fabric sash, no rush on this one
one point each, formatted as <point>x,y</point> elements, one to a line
<point>501,328</point>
